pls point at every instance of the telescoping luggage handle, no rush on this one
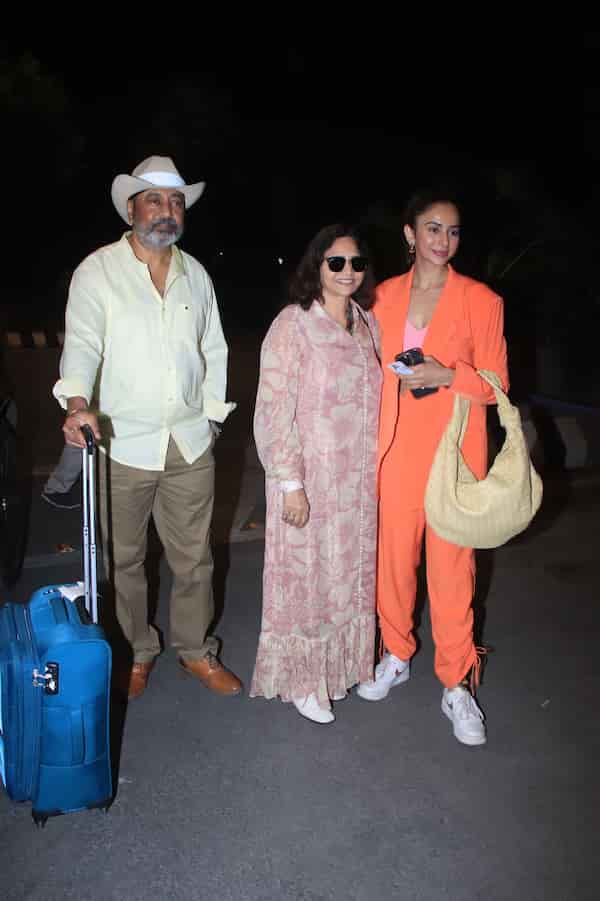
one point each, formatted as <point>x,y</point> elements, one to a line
<point>90,580</point>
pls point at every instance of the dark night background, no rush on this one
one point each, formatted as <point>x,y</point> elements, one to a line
<point>291,135</point>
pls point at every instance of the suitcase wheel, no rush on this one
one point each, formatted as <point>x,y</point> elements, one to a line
<point>40,819</point>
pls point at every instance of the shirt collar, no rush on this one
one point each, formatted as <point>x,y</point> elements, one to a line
<point>177,266</point>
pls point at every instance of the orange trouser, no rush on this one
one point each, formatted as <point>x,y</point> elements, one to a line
<point>450,584</point>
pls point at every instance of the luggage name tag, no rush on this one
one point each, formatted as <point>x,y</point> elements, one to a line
<point>48,680</point>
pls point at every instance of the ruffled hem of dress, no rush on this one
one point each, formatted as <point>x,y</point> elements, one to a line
<point>290,666</point>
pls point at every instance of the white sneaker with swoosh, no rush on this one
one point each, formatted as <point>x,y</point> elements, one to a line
<point>390,671</point>
<point>463,711</point>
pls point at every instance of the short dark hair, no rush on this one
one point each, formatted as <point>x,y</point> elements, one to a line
<point>305,284</point>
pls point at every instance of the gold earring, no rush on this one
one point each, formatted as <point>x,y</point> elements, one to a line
<point>411,249</point>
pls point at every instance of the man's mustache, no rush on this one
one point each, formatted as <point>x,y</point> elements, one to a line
<point>166,220</point>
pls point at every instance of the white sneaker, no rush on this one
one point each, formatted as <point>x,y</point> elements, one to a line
<point>311,709</point>
<point>463,711</point>
<point>389,671</point>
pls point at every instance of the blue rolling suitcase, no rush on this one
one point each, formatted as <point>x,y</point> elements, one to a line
<point>55,671</point>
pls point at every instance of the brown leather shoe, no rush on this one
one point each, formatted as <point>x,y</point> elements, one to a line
<point>213,674</point>
<point>138,679</point>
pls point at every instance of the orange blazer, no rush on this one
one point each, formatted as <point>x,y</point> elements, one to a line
<point>466,333</point>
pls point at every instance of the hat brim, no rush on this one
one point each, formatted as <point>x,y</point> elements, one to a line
<point>125,186</point>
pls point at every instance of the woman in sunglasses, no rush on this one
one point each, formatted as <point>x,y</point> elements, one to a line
<point>315,426</point>
<point>458,324</point>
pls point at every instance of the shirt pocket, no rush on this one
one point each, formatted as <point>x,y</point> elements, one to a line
<point>188,324</point>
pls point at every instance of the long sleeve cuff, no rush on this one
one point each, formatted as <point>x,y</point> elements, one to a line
<point>288,485</point>
<point>71,387</point>
<point>470,385</point>
<point>217,410</point>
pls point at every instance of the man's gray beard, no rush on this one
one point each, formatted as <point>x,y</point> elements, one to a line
<point>152,239</point>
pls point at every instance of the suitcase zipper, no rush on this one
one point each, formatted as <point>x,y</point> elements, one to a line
<point>20,702</point>
<point>37,707</point>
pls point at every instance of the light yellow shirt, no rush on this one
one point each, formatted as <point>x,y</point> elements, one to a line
<point>152,366</point>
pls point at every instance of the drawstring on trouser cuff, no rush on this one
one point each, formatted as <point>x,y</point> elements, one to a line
<point>472,679</point>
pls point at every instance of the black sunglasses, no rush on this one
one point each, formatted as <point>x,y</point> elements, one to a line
<point>336,264</point>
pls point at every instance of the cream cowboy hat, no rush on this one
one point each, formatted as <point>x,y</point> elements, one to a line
<point>155,172</point>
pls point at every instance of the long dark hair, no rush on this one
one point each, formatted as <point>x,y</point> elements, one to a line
<point>418,203</point>
<point>305,284</point>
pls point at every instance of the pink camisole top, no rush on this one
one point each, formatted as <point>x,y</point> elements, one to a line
<point>413,337</point>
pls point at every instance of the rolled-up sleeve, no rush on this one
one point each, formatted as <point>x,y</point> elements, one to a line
<point>489,351</point>
<point>275,428</point>
<point>85,328</point>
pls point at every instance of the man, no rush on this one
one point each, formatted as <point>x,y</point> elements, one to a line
<point>144,365</point>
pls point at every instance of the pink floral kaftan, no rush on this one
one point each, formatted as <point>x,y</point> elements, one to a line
<point>316,422</point>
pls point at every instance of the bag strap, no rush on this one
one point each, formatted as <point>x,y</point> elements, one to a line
<point>365,320</point>
<point>508,414</point>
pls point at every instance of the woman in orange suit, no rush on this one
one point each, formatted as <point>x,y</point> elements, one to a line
<point>458,323</point>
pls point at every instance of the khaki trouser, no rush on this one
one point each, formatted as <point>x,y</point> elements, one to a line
<point>180,499</point>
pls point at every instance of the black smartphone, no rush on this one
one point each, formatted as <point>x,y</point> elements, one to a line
<point>410,358</point>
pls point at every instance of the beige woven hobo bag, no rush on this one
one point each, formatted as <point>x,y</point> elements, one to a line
<point>489,512</point>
